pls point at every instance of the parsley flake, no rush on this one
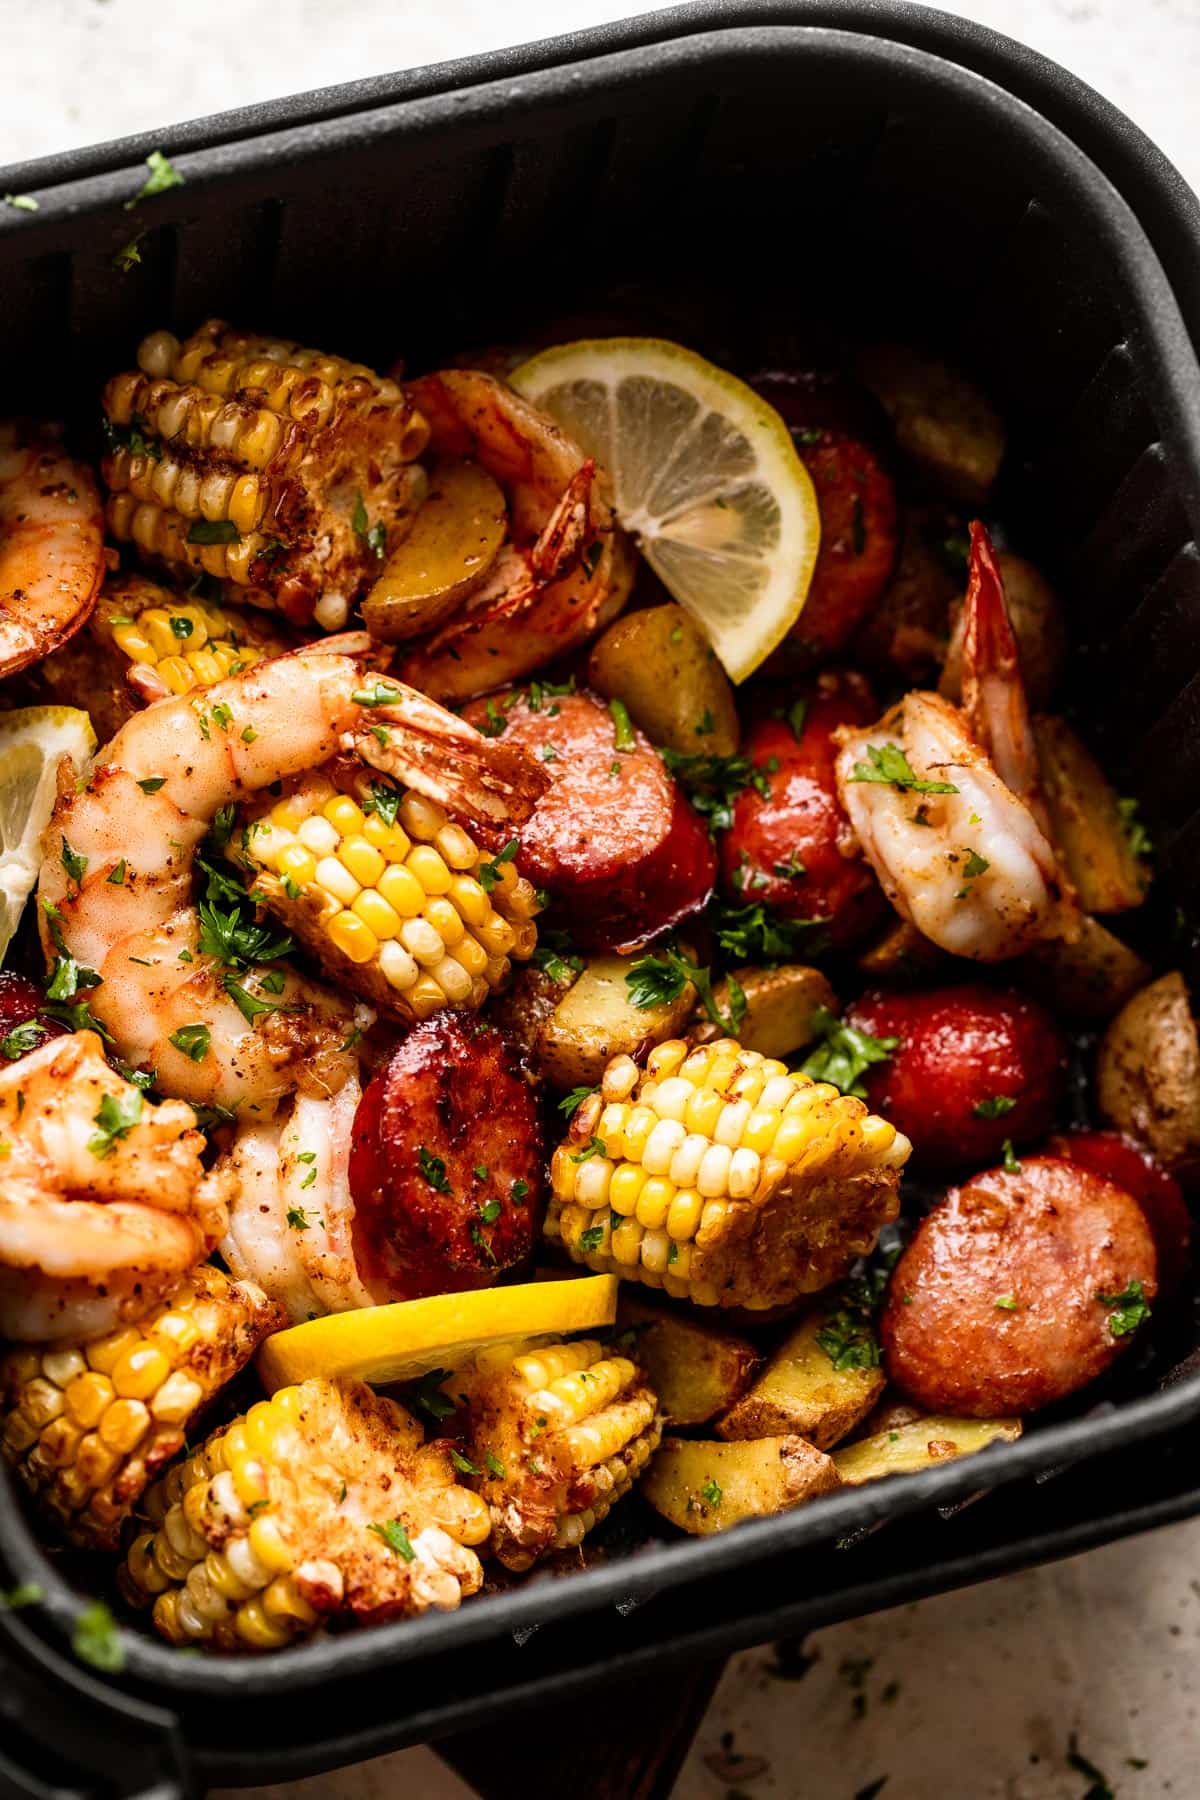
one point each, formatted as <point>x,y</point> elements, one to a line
<point>888,764</point>
<point>843,1053</point>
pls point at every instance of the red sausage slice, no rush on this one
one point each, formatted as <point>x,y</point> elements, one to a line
<point>995,1307</point>
<point>616,844</point>
<point>975,1065</point>
<point>445,1163</point>
<point>1120,1160</point>
<point>21,1001</point>
<point>791,847</point>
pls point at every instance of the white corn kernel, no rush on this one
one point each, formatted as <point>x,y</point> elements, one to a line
<point>732,1123</point>
<point>745,1168</point>
<point>318,835</point>
<point>337,880</point>
<point>661,1145</point>
<point>712,1177</point>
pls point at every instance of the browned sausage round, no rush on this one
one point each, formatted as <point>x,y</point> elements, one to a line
<point>614,842</point>
<point>445,1163</point>
<point>1018,1288</point>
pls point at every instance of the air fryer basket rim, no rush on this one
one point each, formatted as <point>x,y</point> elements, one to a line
<point>1168,351</point>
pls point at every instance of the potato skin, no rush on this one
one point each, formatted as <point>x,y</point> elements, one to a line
<point>454,539</point>
<point>1051,1237</point>
<point>1130,1166</point>
<point>1148,1075</point>
<point>595,1020</point>
<point>661,665</point>
<point>801,820</point>
<point>961,1048</point>
<point>695,1369</point>
<point>942,422</point>
<point>800,1391</point>
<point>1087,980</point>
<point>751,1479</point>
<point>1086,823</point>
<point>913,1444</point>
<point>780,1005</point>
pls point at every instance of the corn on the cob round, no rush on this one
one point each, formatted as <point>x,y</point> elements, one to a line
<point>146,640</point>
<point>388,892</point>
<point>88,1426</point>
<point>279,470</point>
<point>322,1500</point>
<point>556,1434</point>
<point>721,1178</point>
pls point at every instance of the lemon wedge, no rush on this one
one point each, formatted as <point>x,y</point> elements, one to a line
<point>705,476</point>
<point>401,1342</point>
<point>33,742</point>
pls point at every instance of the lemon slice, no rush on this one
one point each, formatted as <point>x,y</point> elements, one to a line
<point>705,476</point>
<point>33,741</point>
<point>400,1342</point>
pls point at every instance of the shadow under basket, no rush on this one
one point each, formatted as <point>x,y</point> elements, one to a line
<point>752,180</point>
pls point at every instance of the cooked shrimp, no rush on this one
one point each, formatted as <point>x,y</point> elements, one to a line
<point>116,885</point>
<point>104,1202</point>
<point>946,801</point>
<point>291,1215</point>
<point>564,571</point>
<point>51,545</point>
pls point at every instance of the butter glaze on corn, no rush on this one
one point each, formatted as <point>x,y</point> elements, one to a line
<point>399,910</point>
<point>721,1178</point>
<point>88,1426</point>
<point>278,444</point>
<point>557,1433</point>
<point>281,1520</point>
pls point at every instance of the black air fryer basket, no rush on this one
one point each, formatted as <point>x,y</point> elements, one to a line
<point>740,176</point>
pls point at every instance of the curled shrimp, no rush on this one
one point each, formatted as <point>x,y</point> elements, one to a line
<point>946,801</point>
<point>565,568</point>
<point>51,545</point>
<point>116,885</point>
<point>104,1201</point>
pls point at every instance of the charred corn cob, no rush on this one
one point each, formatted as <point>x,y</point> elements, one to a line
<point>322,1500</point>
<point>285,473</point>
<point>87,1427</point>
<point>721,1178</point>
<point>388,892</point>
<point>556,1435</point>
<point>145,641</point>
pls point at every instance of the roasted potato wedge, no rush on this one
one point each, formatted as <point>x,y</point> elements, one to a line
<point>1088,980</point>
<point>595,1020</point>
<point>455,538</point>
<point>907,1449</point>
<point>780,1004</point>
<point>1148,1074</point>
<point>526,1004</point>
<point>942,421</point>
<point>801,1391</point>
<point>696,1370</point>
<point>889,1413</point>
<point>704,1487</point>
<point>902,955</point>
<point>1086,819</point>
<point>662,666</point>
<point>1038,627</point>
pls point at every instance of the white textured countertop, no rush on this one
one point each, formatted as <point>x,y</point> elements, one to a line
<point>971,1696</point>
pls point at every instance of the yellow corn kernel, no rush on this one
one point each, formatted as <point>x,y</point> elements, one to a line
<point>140,1372</point>
<point>88,1397</point>
<point>204,666</point>
<point>363,860</point>
<point>256,1629</point>
<point>124,1425</point>
<point>249,1479</point>
<point>267,1543</point>
<point>59,1366</point>
<point>374,911</point>
<point>352,937</point>
<point>247,504</point>
<point>472,955</point>
<point>429,869</point>
<point>391,839</point>
<point>421,818</point>
<point>495,934</point>
<point>174,671</point>
<point>760,1129</point>
<point>425,996</point>
<point>794,1136</point>
<point>683,1215</point>
<point>422,941</point>
<point>336,879</point>
<point>297,863</point>
<point>107,1352</point>
<point>177,1331</point>
<point>344,815</point>
<point>665,1059</point>
<point>176,1399</point>
<point>282,1602</point>
<point>654,1202</point>
<point>627,1182</point>
<point>626,1242</point>
<point>290,813</point>
<point>445,921</point>
<point>638,1126</point>
<point>59,1442</point>
<point>456,847</point>
<point>155,622</point>
<point>469,900</point>
<point>453,980</point>
<point>401,889</point>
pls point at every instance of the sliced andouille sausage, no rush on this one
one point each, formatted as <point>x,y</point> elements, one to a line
<point>1021,1286</point>
<point>445,1162</point>
<point>791,846</point>
<point>1130,1166</point>
<point>23,1023</point>
<point>615,842</point>
<point>974,1065</point>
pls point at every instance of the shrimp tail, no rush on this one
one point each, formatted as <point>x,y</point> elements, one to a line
<point>447,760</point>
<point>993,691</point>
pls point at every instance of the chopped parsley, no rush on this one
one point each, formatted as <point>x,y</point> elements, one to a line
<point>555,957</point>
<point>658,978</point>
<point>193,1040</point>
<point>1126,1310</point>
<point>624,736</point>
<point>384,801</point>
<point>433,1171</point>
<point>591,1239</point>
<point>713,783</point>
<point>791,870</point>
<point>298,1218</point>
<point>117,877</point>
<point>994,1107</point>
<point>228,929</point>
<point>129,254</point>
<point>594,1147</point>
<point>1100,1788</point>
<point>975,864</point>
<point>711,1493</point>
<point>494,723</point>
<point>395,1537</point>
<point>570,1103</point>
<point>26,1593</point>
<point>118,1115</point>
<point>22,202</point>
<point>163,175</point>
<point>251,1006</point>
<point>1009,1158</point>
<point>152,783</point>
<point>462,1463</point>
<point>796,714</point>
<point>134,437</point>
<point>427,1396</point>
<point>843,1053</point>
<point>753,933</point>
<point>888,763</point>
<point>1136,836</point>
<point>519,1191</point>
<point>705,726</point>
<point>96,1640</point>
<point>73,863</point>
<point>1005,1303</point>
<point>378,694</point>
<point>213,531</point>
<point>21,1040</point>
<point>488,873</point>
<point>538,690</point>
<point>494,1466</point>
<point>489,1212</point>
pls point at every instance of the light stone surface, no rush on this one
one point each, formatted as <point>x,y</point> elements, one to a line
<point>990,1682</point>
